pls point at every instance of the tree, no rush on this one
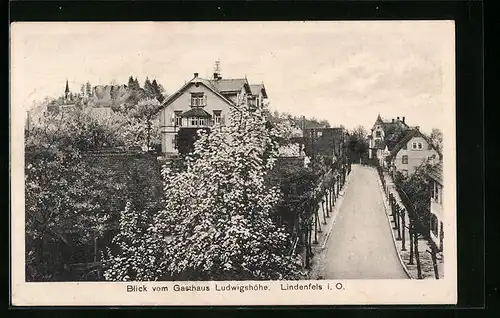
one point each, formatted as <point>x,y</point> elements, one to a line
<point>131,83</point>
<point>88,89</point>
<point>216,220</point>
<point>358,144</point>
<point>158,90</point>
<point>149,89</point>
<point>436,138</point>
<point>62,194</point>
<point>141,117</point>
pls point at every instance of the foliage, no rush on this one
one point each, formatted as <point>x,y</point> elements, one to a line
<point>69,198</point>
<point>142,117</point>
<point>436,138</point>
<point>61,193</point>
<point>139,253</point>
<point>216,220</point>
<point>416,188</point>
<point>358,143</point>
<point>299,121</point>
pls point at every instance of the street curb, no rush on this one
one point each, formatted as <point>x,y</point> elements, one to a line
<point>336,208</point>
<point>390,226</point>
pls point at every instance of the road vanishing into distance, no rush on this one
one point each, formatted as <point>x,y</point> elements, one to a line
<point>360,245</point>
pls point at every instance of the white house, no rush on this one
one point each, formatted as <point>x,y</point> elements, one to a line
<point>202,103</point>
<point>384,135</point>
<point>410,152</point>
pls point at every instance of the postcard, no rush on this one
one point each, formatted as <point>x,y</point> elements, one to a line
<point>233,163</point>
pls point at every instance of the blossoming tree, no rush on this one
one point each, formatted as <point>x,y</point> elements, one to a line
<point>216,222</point>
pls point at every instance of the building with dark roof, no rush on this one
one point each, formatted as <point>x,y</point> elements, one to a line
<point>411,150</point>
<point>204,103</point>
<point>385,134</point>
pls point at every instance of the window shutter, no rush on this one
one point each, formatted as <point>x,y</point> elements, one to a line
<point>223,120</point>
<point>204,100</point>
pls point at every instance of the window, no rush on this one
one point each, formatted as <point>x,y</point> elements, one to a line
<point>198,99</point>
<point>174,142</point>
<point>217,117</point>
<point>377,143</point>
<point>178,118</point>
<point>405,146</point>
<point>378,134</point>
<point>197,121</point>
<point>417,146</point>
<point>404,159</point>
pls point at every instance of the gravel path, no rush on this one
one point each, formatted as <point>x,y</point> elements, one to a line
<point>360,245</point>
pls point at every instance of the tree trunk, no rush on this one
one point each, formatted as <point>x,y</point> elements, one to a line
<point>417,256</point>
<point>305,239</point>
<point>410,262</point>
<point>403,230</point>
<point>332,198</point>
<point>324,211</point>
<point>434,260</point>
<point>316,226</point>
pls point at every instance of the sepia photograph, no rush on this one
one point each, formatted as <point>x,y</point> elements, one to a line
<point>207,160</point>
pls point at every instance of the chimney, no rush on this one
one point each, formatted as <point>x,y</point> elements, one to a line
<point>393,120</point>
<point>398,118</point>
<point>417,127</point>
<point>403,119</point>
<point>195,74</point>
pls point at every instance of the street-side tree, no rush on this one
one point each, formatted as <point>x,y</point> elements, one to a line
<point>358,143</point>
<point>216,220</point>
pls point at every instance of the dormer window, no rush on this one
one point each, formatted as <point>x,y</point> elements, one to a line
<point>198,100</point>
<point>378,134</point>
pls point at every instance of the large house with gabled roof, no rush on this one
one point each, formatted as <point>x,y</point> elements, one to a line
<point>397,146</point>
<point>413,149</point>
<point>384,136</point>
<point>202,103</point>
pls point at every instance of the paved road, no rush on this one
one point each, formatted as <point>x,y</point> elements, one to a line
<point>360,245</point>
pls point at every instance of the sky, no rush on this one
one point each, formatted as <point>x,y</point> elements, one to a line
<point>346,72</point>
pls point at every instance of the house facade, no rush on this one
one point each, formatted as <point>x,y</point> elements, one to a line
<point>385,134</point>
<point>410,152</point>
<point>202,103</point>
<point>436,198</point>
